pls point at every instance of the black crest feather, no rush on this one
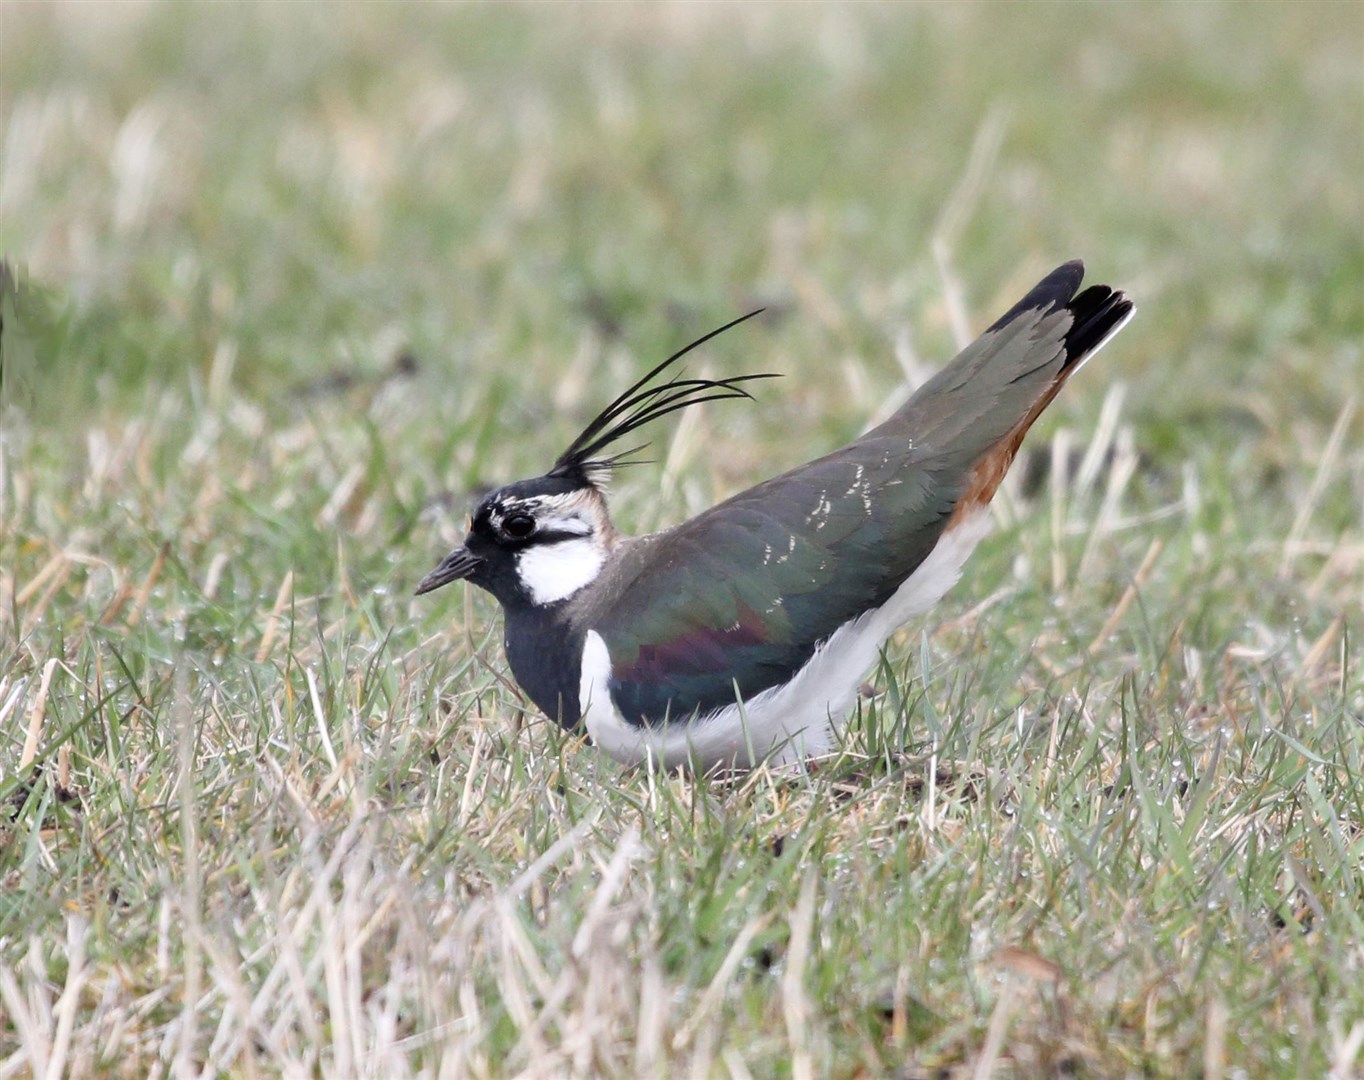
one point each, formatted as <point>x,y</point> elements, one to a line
<point>642,404</point>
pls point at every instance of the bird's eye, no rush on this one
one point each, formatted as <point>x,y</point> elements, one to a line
<point>518,526</point>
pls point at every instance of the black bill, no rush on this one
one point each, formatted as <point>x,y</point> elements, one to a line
<point>456,566</point>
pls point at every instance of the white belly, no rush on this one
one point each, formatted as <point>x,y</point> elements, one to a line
<point>789,723</point>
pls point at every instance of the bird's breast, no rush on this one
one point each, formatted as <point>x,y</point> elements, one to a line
<point>545,656</point>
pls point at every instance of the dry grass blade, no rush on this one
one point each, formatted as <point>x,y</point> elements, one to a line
<point>1128,595</point>
<point>715,991</point>
<point>1330,456</point>
<point>37,711</point>
<point>795,1002</point>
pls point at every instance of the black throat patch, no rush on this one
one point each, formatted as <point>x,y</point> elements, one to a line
<point>546,656</point>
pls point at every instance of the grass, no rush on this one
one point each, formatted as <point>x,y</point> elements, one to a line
<point>294,281</point>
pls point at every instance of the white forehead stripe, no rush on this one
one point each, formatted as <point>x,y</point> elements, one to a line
<point>552,572</point>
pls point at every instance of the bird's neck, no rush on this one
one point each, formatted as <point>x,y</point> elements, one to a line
<point>545,653</point>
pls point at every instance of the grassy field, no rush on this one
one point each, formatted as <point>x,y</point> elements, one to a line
<point>290,283</point>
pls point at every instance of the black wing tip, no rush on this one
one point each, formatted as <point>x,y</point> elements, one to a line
<point>1052,292</point>
<point>1096,313</point>
<point>1066,277</point>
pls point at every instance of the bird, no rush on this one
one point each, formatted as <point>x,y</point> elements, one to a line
<point>742,636</point>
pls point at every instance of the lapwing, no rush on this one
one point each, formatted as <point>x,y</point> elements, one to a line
<point>743,635</point>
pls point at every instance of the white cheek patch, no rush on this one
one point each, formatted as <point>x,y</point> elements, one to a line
<point>552,572</point>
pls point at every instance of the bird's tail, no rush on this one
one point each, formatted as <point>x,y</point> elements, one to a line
<point>974,413</point>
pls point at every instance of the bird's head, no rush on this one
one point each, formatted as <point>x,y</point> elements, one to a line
<point>534,542</point>
<point>537,542</point>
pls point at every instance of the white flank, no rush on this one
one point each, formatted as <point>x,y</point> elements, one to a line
<point>552,572</point>
<point>788,723</point>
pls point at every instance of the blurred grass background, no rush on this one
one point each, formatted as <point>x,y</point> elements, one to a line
<point>291,281</point>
